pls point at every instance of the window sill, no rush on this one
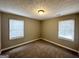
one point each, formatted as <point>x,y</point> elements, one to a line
<point>67,39</point>
<point>15,38</point>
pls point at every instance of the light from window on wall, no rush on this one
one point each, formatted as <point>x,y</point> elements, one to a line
<point>16,29</point>
<point>66,30</point>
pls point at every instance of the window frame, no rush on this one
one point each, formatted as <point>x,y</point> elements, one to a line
<point>63,38</point>
<point>19,37</point>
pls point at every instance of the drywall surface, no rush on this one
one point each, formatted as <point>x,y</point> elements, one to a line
<point>50,31</point>
<point>31,30</point>
<point>0,30</point>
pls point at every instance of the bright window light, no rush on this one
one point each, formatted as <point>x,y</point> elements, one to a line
<point>16,29</point>
<point>66,30</point>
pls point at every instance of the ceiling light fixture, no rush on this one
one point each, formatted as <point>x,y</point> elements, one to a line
<point>41,12</point>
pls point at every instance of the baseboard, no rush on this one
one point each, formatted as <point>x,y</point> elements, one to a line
<point>18,45</point>
<point>38,39</point>
<point>62,46</point>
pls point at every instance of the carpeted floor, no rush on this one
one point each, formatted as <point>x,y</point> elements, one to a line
<point>40,49</point>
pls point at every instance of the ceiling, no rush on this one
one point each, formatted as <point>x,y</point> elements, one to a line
<point>29,8</point>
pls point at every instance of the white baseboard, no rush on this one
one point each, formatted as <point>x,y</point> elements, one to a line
<point>38,39</point>
<point>61,46</point>
<point>18,45</point>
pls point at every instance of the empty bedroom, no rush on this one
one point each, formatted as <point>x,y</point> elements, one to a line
<point>39,28</point>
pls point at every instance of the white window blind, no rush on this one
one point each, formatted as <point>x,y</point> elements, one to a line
<point>16,29</point>
<point>66,30</point>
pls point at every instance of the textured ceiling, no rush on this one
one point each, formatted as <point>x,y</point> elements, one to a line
<point>29,8</point>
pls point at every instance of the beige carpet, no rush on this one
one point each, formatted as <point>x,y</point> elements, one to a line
<point>40,49</point>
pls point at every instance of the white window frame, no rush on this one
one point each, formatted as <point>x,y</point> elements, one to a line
<point>66,37</point>
<point>18,36</point>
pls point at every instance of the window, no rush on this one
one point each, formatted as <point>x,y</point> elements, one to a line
<point>66,30</point>
<point>16,29</point>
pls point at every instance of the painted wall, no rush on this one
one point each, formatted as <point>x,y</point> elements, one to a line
<point>0,30</point>
<point>38,29</point>
<point>77,31</point>
<point>50,31</point>
<point>31,30</point>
